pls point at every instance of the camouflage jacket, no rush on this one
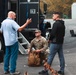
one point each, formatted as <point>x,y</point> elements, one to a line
<point>39,44</point>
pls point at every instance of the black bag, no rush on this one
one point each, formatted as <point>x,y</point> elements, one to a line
<point>1,55</point>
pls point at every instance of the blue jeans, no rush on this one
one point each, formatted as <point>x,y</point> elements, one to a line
<point>57,48</point>
<point>11,54</point>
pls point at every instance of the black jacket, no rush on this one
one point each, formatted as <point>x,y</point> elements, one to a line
<point>58,32</point>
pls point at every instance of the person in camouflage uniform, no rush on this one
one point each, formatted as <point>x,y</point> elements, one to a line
<point>40,44</point>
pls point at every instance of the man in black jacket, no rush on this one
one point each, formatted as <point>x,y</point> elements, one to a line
<point>56,45</point>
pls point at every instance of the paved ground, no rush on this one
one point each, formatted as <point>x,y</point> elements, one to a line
<point>69,52</point>
<point>70,68</point>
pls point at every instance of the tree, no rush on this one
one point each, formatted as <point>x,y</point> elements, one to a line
<point>63,6</point>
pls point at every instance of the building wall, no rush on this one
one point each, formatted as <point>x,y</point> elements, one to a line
<point>73,10</point>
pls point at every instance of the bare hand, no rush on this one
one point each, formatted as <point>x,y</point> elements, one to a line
<point>28,51</point>
<point>38,51</point>
<point>29,21</point>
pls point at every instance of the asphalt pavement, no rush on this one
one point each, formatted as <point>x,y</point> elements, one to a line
<point>69,53</point>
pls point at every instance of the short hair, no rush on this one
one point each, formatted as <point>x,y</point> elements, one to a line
<point>57,13</point>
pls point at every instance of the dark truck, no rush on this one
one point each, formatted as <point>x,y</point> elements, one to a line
<point>24,9</point>
<point>3,12</point>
